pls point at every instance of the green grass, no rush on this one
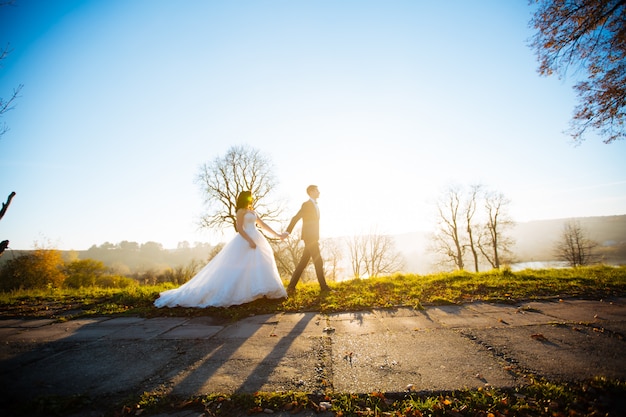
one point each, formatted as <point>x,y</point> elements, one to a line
<point>538,398</point>
<point>595,397</point>
<point>408,290</point>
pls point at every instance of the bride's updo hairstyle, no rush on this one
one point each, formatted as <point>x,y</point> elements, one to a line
<point>244,200</point>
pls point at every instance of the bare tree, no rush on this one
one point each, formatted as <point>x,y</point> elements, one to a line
<point>574,246</point>
<point>241,169</point>
<point>590,35</point>
<point>474,222</point>
<point>382,256</point>
<point>332,254</point>
<point>494,243</point>
<point>357,248</point>
<point>447,239</point>
<point>470,212</point>
<point>287,254</point>
<point>374,254</point>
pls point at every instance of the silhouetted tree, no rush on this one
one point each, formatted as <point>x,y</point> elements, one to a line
<point>241,169</point>
<point>5,243</point>
<point>287,254</point>
<point>589,35</point>
<point>448,237</point>
<point>374,254</point>
<point>357,249</point>
<point>475,219</point>
<point>494,243</point>
<point>574,246</point>
<point>5,106</point>
<point>470,212</point>
<point>332,255</point>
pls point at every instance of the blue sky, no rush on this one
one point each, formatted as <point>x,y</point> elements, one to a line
<point>382,104</point>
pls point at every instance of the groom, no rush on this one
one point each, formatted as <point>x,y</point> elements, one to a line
<point>310,215</point>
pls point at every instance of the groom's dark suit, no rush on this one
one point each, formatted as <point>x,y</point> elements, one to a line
<point>309,214</point>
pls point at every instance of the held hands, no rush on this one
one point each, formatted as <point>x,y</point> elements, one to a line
<point>252,244</point>
<point>284,235</point>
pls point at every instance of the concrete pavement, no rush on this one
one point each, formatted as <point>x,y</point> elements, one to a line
<point>438,348</point>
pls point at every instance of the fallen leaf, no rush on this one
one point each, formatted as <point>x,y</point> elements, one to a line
<point>539,336</point>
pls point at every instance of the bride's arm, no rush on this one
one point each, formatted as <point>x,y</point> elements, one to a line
<point>267,228</point>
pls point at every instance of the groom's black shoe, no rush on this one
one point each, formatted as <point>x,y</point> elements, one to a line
<point>290,290</point>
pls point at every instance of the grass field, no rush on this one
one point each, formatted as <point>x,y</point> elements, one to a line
<point>598,397</point>
<point>415,291</point>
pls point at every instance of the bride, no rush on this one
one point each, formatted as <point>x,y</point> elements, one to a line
<point>243,271</point>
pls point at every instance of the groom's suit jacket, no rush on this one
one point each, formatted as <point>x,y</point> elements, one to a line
<point>310,222</point>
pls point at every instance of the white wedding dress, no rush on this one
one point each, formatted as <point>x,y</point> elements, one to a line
<point>238,274</point>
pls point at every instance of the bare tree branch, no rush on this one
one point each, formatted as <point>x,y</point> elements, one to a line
<point>5,206</point>
<point>590,36</point>
<point>241,169</point>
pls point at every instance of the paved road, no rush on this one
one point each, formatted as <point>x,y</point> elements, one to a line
<point>439,348</point>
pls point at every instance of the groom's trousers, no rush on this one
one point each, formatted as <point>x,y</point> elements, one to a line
<point>311,251</point>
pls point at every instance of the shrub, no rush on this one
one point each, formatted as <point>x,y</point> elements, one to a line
<point>41,268</point>
<point>115,281</point>
<point>83,273</point>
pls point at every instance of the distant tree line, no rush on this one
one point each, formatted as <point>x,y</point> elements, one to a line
<point>46,269</point>
<point>51,268</point>
<point>128,257</point>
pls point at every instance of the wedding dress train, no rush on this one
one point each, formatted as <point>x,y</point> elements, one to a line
<point>238,274</point>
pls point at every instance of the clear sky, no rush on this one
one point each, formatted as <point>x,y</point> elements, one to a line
<point>382,104</point>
